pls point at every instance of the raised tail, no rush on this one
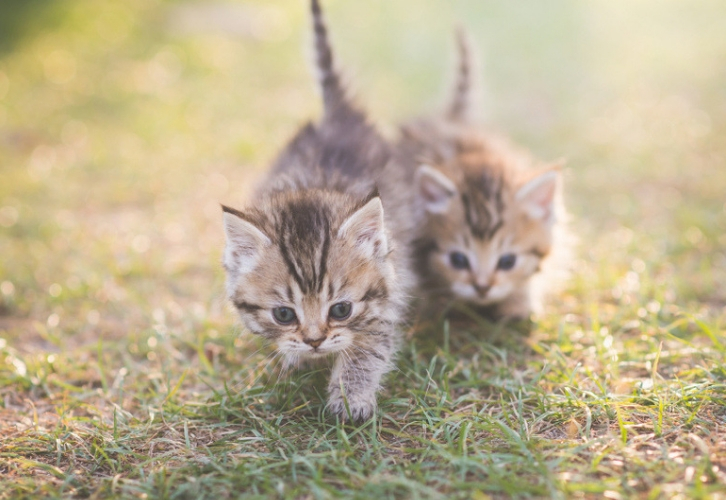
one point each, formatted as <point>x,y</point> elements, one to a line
<point>334,96</point>
<point>460,105</point>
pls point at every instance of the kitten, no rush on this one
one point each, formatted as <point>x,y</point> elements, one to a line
<point>313,264</point>
<point>491,216</point>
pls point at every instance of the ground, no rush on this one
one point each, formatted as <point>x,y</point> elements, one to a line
<point>124,373</point>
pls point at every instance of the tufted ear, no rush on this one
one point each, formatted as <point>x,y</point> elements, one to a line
<point>434,189</point>
<point>245,242</point>
<point>365,229</point>
<point>537,196</point>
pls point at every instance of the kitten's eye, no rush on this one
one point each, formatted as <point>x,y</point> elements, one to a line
<point>459,260</point>
<point>507,261</point>
<point>341,310</point>
<point>284,315</point>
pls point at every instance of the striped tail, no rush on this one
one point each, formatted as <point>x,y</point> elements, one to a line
<point>459,108</point>
<point>334,95</point>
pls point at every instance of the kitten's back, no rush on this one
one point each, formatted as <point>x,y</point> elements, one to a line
<point>344,142</point>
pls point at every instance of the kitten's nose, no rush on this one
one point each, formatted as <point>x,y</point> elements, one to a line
<point>313,342</point>
<point>483,288</point>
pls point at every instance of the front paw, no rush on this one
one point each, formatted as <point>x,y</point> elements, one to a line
<point>362,406</point>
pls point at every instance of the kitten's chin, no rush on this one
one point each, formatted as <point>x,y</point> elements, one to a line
<point>467,293</point>
<point>481,302</point>
<point>318,354</point>
<point>310,354</point>
<point>295,359</point>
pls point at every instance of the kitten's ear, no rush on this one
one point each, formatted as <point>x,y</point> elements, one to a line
<point>434,188</point>
<point>366,230</point>
<point>245,243</point>
<point>537,196</point>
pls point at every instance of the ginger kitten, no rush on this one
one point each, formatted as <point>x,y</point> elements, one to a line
<point>313,263</point>
<point>491,216</point>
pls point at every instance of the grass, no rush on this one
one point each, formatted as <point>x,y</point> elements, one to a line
<point>123,373</point>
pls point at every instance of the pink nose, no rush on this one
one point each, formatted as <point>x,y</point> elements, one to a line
<point>313,342</point>
<point>482,290</point>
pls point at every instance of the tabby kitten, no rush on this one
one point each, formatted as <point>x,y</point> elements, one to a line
<point>312,264</point>
<point>491,216</point>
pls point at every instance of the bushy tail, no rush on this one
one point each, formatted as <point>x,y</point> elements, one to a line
<point>334,95</point>
<point>460,106</point>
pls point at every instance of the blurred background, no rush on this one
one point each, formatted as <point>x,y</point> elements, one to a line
<point>123,125</point>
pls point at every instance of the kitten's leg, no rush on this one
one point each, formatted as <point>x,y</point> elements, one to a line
<point>356,377</point>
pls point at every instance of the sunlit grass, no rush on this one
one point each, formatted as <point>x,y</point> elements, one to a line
<point>123,125</point>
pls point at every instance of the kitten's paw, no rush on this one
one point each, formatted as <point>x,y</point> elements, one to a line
<point>362,407</point>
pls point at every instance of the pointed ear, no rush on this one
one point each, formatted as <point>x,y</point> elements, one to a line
<point>366,230</point>
<point>245,243</point>
<point>434,189</point>
<point>537,196</point>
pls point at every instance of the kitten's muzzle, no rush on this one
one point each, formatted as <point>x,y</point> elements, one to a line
<point>314,343</point>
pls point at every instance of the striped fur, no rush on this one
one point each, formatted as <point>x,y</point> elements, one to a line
<point>334,95</point>
<point>460,105</point>
<point>317,234</point>
<point>477,196</point>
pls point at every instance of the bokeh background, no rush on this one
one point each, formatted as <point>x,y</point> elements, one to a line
<point>123,125</point>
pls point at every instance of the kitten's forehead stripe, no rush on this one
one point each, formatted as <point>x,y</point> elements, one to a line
<point>305,243</point>
<point>494,229</point>
<point>290,265</point>
<point>483,205</point>
<point>323,266</point>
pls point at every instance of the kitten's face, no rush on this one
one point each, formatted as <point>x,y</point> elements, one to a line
<point>487,234</point>
<point>310,273</point>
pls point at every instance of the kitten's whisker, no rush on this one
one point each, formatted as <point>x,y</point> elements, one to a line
<point>276,360</point>
<point>254,375</point>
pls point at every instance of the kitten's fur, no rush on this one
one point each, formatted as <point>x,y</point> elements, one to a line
<point>316,236</point>
<point>481,198</point>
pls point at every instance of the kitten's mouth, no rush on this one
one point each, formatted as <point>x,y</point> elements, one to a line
<point>322,351</point>
<point>318,353</point>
